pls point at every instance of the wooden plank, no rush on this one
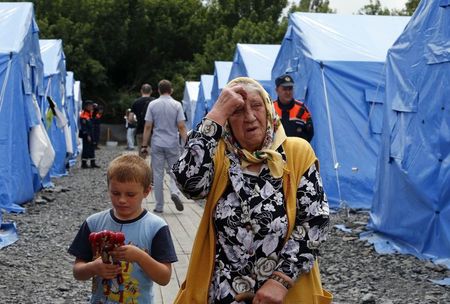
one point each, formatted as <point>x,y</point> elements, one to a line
<point>183,227</point>
<point>157,294</point>
<point>181,268</point>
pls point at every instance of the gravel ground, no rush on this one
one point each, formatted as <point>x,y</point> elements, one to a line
<point>37,268</point>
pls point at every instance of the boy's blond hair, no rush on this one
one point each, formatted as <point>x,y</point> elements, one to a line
<point>130,168</point>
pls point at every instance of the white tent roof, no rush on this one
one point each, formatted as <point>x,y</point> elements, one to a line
<point>334,37</point>
<point>15,20</point>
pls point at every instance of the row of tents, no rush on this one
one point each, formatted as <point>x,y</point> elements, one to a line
<point>378,89</point>
<point>39,106</point>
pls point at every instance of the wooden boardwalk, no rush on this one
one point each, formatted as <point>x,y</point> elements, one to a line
<point>183,227</point>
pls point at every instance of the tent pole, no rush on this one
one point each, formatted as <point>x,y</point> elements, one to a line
<point>336,165</point>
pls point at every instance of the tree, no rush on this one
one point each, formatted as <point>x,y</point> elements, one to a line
<point>113,46</point>
<point>312,6</point>
<point>237,21</point>
<point>410,7</point>
<point>374,8</point>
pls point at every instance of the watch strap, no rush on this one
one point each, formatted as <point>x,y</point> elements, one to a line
<point>281,280</point>
<point>210,128</point>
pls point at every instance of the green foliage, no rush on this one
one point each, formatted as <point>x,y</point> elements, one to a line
<point>374,8</point>
<point>410,7</point>
<point>237,21</point>
<point>113,46</point>
<point>312,6</point>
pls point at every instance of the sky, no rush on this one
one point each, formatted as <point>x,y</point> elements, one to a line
<point>352,6</point>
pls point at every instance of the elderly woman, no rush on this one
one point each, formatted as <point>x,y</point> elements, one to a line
<point>265,214</point>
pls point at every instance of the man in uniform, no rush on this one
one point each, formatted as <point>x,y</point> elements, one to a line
<point>87,135</point>
<point>294,115</point>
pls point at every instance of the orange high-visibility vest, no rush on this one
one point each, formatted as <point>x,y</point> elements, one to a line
<point>298,111</point>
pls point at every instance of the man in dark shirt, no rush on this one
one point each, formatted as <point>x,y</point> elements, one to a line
<point>294,115</point>
<point>139,108</point>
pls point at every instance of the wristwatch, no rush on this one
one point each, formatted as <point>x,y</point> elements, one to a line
<point>281,280</point>
<point>208,127</point>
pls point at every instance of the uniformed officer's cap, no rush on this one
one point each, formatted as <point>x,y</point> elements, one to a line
<point>87,102</point>
<point>284,81</point>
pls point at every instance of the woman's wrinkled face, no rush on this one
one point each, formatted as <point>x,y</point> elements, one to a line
<point>249,122</point>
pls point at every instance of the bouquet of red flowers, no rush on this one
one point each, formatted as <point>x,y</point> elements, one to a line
<point>103,243</point>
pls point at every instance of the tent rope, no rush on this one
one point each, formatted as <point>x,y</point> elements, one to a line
<point>5,82</point>
<point>342,204</point>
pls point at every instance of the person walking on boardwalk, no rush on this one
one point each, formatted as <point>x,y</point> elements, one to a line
<point>139,108</point>
<point>164,124</point>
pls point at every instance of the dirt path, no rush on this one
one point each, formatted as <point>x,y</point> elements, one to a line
<point>37,268</point>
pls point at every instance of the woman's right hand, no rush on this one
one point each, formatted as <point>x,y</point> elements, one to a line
<point>230,99</point>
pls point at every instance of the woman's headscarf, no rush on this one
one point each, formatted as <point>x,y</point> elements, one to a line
<point>275,135</point>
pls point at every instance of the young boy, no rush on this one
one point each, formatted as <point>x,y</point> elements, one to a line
<point>148,252</point>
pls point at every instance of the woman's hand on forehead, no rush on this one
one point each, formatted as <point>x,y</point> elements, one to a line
<point>230,99</point>
<point>241,91</point>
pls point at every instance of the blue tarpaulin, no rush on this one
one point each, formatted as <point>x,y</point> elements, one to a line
<point>337,63</point>
<point>78,101</point>
<point>204,96</point>
<point>8,234</point>
<point>190,96</point>
<point>222,71</point>
<point>55,85</point>
<point>72,111</point>
<point>255,61</point>
<point>20,77</point>
<point>411,206</point>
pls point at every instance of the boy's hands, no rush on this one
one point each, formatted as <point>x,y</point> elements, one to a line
<point>106,271</point>
<point>127,253</point>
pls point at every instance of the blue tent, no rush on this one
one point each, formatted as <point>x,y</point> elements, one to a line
<point>411,207</point>
<point>20,77</point>
<point>72,111</point>
<point>337,63</point>
<point>55,85</point>
<point>255,61</point>
<point>204,96</point>
<point>77,96</point>
<point>222,71</point>
<point>78,103</point>
<point>189,100</point>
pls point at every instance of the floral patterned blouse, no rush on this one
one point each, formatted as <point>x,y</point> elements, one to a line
<point>248,253</point>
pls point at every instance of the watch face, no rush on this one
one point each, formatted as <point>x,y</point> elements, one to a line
<point>208,128</point>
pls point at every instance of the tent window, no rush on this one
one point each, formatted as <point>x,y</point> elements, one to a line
<point>405,101</point>
<point>375,99</point>
<point>438,50</point>
<point>26,80</point>
<point>403,147</point>
<point>292,65</point>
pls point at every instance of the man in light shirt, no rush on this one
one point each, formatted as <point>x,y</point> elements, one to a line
<point>164,125</point>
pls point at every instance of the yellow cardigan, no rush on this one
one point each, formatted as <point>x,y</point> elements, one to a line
<point>308,288</point>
